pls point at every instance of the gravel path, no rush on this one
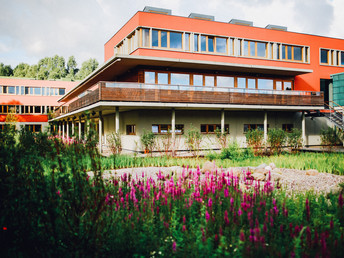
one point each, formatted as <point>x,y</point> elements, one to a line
<point>292,180</point>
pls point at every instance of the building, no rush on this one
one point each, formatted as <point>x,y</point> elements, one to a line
<point>31,101</point>
<point>166,73</point>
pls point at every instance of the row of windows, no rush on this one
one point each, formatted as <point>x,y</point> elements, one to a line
<point>332,57</point>
<point>35,91</point>
<point>22,109</point>
<point>194,42</point>
<point>32,128</point>
<point>204,128</point>
<point>216,80</point>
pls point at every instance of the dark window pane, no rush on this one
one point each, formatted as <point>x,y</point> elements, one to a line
<point>62,91</point>
<point>11,89</point>
<point>252,48</point>
<point>221,45</point>
<point>155,38</point>
<point>324,56</point>
<point>203,128</point>
<point>203,43</point>
<point>195,42</point>
<point>283,52</point>
<point>298,53</point>
<point>289,53</point>
<point>342,58</point>
<point>163,38</point>
<point>210,44</point>
<point>261,49</point>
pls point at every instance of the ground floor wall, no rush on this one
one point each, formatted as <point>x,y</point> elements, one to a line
<point>32,126</point>
<point>237,121</point>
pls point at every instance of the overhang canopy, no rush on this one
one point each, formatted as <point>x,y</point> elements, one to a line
<point>119,64</point>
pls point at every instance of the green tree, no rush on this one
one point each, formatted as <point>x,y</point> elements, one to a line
<point>71,67</point>
<point>87,67</point>
<point>21,70</point>
<point>5,70</point>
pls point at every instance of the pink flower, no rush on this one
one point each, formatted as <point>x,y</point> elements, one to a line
<point>242,236</point>
<point>184,228</point>
<point>174,246</point>
<point>207,216</point>
<point>58,193</point>
<point>239,212</point>
<point>210,202</point>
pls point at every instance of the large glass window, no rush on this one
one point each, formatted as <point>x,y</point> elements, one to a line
<point>261,49</point>
<point>155,38</point>
<point>203,43</point>
<point>278,85</point>
<point>187,41</point>
<point>209,80</point>
<point>265,84</point>
<point>246,48</point>
<point>162,78</point>
<point>176,40</point>
<point>324,56</point>
<point>198,80</point>
<point>221,45</point>
<point>196,42</point>
<point>145,37</point>
<point>287,86</point>
<point>223,81</point>
<point>11,89</point>
<point>150,77</point>
<point>163,38</point>
<point>298,53</point>
<point>251,83</point>
<point>210,44</point>
<point>180,79</point>
<point>241,82</point>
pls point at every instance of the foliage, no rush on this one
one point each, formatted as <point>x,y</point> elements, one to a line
<point>233,152</point>
<point>193,140</point>
<point>222,138</point>
<point>115,143</point>
<point>147,140</point>
<point>50,205</point>
<point>330,138</point>
<point>254,139</point>
<point>295,139</point>
<point>276,140</point>
<point>51,68</point>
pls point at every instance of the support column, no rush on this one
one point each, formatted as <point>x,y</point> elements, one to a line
<point>117,120</point>
<point>73,127</point>
<point>303,128</point>
<point>59,129</point>
<point>63,129</point>
<point>222,121</point>
<point>79,127</point>
<point>100,132</point>
<point>265,127</point>
<point>67,131</point>
<point>173,132</point>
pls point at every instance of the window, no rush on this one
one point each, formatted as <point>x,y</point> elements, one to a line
<point>298,53</point>
<point>223,81</point>
<point>251,83</point>
<point>9,89</point>
<point>278,85</point>
<point>150,77</point>
<point>342,57</point>
<point>145,37</point>
<point>253,127</point>
<point>265,84</point>
<point>187,41</point>
<point>34,128</point>
<point>209,81</point>
<point>292,53</point>
<point>196,43</point>
<point>131,130</point>
<point>221,45</point>
<point>241,82</point>
<point>176,40</point>
<point>37,109</point>
<point>287,85</point>
<point>162,78</point>
<point>254,49</point>
<point>180,79</point>
<point>166,128</point>
<point>324,56</point>
<point>37,91</point>
<point>62,91</point>
<point>198,80</point>
<point>211,128</point>
<point>287,127</point>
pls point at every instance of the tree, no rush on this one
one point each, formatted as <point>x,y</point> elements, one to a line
<point>5,70</point>
<point>71,67</point>
<point>21,70</point>
<point>87,67</point>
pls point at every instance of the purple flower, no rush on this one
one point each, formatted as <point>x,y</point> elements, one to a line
<point>239,212</point>
<point>210,202</point>
<point>207,216</point>
<point>174,246</point>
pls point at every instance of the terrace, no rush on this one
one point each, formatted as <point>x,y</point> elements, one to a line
<point>157,93</point>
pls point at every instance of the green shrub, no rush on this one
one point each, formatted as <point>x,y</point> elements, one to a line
<point>233,152</point>
<point>193,139</point>
<point>222,138</point>
<point>254,139</point>
<point>295,139</point>
<point>330,138</point>
<point>147,140</point>
<point>276,140</point>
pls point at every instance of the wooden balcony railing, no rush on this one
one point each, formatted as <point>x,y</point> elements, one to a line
<point>140,92</point>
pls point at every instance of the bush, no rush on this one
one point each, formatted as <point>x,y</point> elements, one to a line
<point>147,140</point>
<point>295,139</point>
<point>330,138</point>
<point>254,139</point>
<point>233,152</point>
<point>221,138</point>
<point>193,140</point>
<point>115,143</point>
<point>276,140</point>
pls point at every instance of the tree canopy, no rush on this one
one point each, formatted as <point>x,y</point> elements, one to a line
<point>50,68</point>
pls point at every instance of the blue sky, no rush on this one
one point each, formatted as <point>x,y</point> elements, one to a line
<point>33,29</point>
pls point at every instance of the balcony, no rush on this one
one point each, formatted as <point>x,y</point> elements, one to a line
<point>140,92</point>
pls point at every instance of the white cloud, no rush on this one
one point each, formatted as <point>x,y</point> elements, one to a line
<point>33,29</point>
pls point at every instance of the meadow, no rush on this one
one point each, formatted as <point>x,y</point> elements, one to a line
<point>51,207</point>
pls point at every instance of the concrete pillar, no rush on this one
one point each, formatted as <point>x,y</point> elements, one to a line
<point>100,132</point>
<point>222,121</point>
<point>173,124</point>
<point>63,129</point>
<point>73,127</point>
<point>117,120</point>
<point>67,131</point>
<point>79,127</point>
<point>59,129</point>
<point>265,127</point>
<point>303,128</point>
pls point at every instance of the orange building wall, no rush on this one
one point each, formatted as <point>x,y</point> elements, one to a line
<point>303,82</point>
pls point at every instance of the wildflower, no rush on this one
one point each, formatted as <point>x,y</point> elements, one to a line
<point>242,236</point>
<point>239,212</point>
<point>174,246</point>
<point>210,202</point>
<point>184,228</point>
<point>58,193</point>
<point>226,218</point>
<point>207,216</point>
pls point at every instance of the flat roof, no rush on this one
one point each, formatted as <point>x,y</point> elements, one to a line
<point>118,64</point>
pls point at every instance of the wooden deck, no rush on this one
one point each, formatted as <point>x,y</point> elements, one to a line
<point>165,95</point>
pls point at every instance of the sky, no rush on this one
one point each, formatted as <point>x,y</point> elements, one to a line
<point>34,29</point>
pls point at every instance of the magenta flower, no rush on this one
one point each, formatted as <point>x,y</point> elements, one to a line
<point>174,246</point>
<point>184,228</point>
<point>239,212</point>
<point>184,219</point>
<point>207,216</point>
<point>58,193</point>
<point>210,202</point>
<point>340,201</point>
<point>242,236</point>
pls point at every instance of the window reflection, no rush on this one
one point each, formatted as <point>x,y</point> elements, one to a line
<point>175,40</point>
<point>241,82</point>
<point>198,80</point>
<point>223,81</point>
<point>261,49</point>
<point>265,84</point>
<point>155,38</point>
<point>221,44</point>
<point>149,77</point>
<point>209,80</point>
<point>163,38</point>
<point>180,79</point>
<point>162,78</point>
<point>251,83</point>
